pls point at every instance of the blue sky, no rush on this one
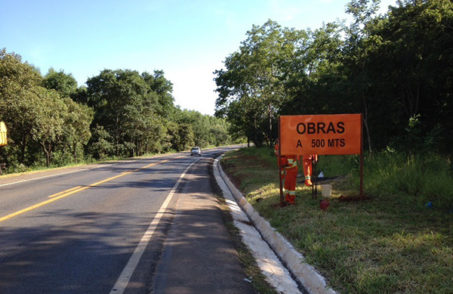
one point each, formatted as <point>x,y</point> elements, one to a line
<point>188,39</point>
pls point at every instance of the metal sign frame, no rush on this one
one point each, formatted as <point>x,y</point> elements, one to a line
<point>344,128</point>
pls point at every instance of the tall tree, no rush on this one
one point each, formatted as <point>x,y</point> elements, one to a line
<point>18,101</point>
<point>255,74</point>
<point>315,80</point>
<point>49,125</point>
<point>359,39</point>
<point>163,88</point>
<point>413,67</point>
<point>116,96</point>
<point>130,106</point>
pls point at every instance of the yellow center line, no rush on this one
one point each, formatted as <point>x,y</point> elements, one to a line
<point>66,193</point>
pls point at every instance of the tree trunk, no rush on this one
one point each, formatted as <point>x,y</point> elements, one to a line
<point>22,151</point>
<point>47,151</point>
<point>74,151</point>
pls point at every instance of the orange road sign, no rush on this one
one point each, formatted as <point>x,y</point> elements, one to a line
<point>338,134</point>
<point>3,138</point>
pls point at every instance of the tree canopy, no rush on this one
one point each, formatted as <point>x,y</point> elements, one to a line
<point>118,113</point>
<point>395,68</point>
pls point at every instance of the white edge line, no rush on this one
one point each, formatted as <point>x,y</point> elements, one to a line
<point>122,281</point>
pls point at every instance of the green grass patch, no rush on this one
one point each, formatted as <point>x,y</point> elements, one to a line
<point>391,243</point>
<point>411,178</point>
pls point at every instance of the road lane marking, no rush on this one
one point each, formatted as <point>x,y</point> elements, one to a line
<point>126,274</point>
<point>66,193</point>
<point>40,204</point>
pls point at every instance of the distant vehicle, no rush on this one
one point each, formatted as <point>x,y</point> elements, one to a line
<point>195,151</point>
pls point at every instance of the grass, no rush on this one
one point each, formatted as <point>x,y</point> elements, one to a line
<point>391,243</point>
<point>417,179</point>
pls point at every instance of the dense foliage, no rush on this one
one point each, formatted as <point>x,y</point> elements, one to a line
<point>396,68</point>
<point>119,113</point>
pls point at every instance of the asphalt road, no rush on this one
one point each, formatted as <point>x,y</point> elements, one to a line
<point>136,226</point>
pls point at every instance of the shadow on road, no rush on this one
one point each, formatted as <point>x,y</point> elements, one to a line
<point>85,251</point>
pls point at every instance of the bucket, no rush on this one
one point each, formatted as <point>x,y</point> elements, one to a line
<point>326,190</point>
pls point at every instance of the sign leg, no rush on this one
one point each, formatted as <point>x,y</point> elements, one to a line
<point>282,202</point>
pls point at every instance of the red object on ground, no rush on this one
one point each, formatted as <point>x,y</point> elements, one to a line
<point>324,204</point>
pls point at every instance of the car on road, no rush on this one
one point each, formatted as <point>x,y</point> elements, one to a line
<point>195,151</point>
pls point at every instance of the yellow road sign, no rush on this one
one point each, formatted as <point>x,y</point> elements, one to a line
<point>3,131</point>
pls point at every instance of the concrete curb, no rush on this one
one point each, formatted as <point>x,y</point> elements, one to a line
<point>295,262</point>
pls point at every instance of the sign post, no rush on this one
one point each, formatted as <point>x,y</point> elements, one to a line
<point>361,159</point>
<point>328,134</point>
<point>280,167</point>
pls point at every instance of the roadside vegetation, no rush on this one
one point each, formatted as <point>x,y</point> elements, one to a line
<point>400,240</point>
<point>52,121</point>
<point>396,69</point>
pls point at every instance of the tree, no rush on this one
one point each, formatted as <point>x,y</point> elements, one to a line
<point>219,131</point>
<point>186,137</point>
<point>254,76</point>
<point>163,88</point>
<point>76,129</point>
<point>49,124</point>
<point>359,41</point>
<point>63,83</point>
<point>413,67</point>
<point>38,117</point>
<point>133,108</point>
<point>316,83</point>
<point>117,98</point>
<point>101,143</point>
<point>18,100</point>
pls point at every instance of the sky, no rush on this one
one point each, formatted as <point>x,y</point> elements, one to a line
<point>187,39</point>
